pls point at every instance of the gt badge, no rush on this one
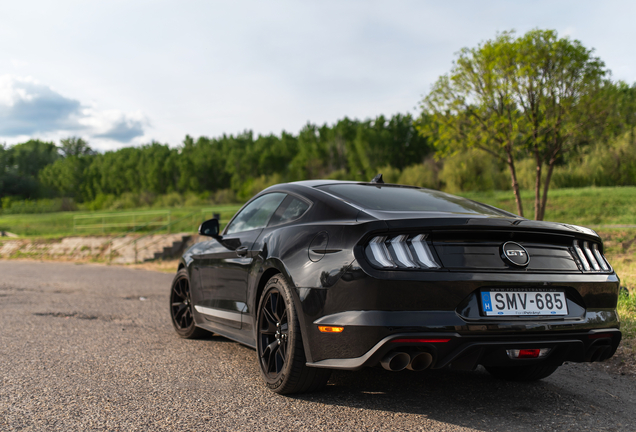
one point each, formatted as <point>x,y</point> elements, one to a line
<point>515,254</point>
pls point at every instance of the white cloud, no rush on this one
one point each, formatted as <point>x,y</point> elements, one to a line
<point>29,108</point>
<point>114,124</point>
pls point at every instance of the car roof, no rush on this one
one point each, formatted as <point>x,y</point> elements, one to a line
<point>317,183</point>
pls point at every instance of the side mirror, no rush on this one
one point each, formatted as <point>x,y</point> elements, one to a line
<point>210,228</point>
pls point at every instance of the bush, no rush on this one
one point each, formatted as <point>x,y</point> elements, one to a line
<point>224,196</point>
<point>472,170</point>
<point>423,175</point>
<point>612,164</point>
<point>12,206</point>
<point>172,199</point>
<point>253,186</point>
<point>390,174</point>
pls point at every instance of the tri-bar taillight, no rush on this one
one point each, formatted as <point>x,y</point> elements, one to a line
<point>590,257</point>
<point>402,251</point>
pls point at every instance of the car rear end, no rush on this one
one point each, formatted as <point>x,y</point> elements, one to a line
<point>460,290</point>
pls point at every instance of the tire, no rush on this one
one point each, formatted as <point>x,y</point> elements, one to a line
<point>522,373</point>
<point>280,351</point>
<point>181,307</point>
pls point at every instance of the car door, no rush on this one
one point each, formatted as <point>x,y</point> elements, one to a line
<point>223,267</point>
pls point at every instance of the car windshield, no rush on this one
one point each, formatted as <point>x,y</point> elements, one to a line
<point>395,198</point>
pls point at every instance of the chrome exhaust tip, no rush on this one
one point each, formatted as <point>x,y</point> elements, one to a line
<point>420,361</point>
<point>395,361</point>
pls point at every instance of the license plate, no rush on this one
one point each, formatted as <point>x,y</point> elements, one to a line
<point>531,303</point>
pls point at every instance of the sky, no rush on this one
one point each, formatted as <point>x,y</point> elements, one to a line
<point>125,73</point>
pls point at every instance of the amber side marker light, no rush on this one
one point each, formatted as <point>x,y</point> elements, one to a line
<point>330,329</point>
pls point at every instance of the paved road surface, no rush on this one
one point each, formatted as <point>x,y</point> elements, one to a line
<point>87,347</point>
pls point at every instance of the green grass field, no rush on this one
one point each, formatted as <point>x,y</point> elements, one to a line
<point>61,224</point>
<point>583,206</point>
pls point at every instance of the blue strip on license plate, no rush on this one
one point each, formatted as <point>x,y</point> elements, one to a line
<point>529,303</point>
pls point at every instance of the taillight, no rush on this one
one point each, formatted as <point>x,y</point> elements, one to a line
<point>590,257</point>
<point>401,251</point>
<point>600,258</point>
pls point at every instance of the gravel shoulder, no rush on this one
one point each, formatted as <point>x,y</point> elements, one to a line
<point>91,347</point>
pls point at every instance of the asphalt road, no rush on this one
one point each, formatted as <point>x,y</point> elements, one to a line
<point>88,347</point>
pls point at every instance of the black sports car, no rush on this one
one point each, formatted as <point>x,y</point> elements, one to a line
<point>321,275</point>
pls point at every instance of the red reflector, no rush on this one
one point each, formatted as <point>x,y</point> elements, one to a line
<point>600,336</point>
<point>529,353</point>
<point>419,340</point>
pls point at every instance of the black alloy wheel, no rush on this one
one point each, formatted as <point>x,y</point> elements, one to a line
<point>280,350</point>
<point>181,307</point>
<point>274,333</point>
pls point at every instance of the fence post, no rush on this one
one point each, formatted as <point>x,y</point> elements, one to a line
<point>135,242</point>
<point>102,225</point>
<point>169,222</point>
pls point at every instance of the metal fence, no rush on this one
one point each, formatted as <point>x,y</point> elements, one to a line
<point>127,220</point>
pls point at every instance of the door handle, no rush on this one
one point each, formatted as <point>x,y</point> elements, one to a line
<point>242,251</point>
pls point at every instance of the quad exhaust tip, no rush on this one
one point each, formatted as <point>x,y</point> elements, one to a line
<point>420,361</point>
<point>397,361</point>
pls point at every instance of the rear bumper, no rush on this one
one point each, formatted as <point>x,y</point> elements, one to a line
<point>465,352</point>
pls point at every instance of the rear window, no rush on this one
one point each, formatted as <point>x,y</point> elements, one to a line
<point>392,198</point>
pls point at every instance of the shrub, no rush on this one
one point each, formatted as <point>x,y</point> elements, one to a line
<point>472,170</point>
<point>12,206</point>
<point>423,175</point>
<point>224,196</point>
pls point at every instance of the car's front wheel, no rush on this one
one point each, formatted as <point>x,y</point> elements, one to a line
<point>181,307</point>
<point>522,373</point>
<point>281,355</point>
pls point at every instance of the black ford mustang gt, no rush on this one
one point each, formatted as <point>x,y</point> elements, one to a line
<point>321,275</point>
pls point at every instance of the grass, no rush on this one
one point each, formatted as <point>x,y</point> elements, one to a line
<point>581,206</point>
<point>61,224</point>
<point>584,206</point>
<point>627,312</point>
<point>620,250</point>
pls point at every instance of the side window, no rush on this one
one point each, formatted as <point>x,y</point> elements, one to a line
<point>294,210</point>
<point>256,214</point>
<point>291,209</point>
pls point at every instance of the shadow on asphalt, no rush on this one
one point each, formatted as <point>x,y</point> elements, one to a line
<point>469,399</point>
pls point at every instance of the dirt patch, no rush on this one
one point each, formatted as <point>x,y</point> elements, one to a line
<point>118,250</point>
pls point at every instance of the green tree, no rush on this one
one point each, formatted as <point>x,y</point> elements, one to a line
<point>20,166</point>
<point>537,95</point>
<point>74,146</point>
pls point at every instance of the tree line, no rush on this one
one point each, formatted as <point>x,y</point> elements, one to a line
<point>513,113</point>
<point>237,166</point>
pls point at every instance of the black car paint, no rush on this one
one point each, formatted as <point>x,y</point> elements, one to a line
<point>322,256</point>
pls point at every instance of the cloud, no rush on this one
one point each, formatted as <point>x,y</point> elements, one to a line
<point>28,108</point>
<point>116,125</point>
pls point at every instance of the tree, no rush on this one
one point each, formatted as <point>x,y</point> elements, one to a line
<point>21,165</point>
<point>74,146</point>
<point>536,95</point>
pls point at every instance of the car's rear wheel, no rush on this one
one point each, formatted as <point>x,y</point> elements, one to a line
<point>522,373</point>
<point>281,355</point>
<point>181,307</point>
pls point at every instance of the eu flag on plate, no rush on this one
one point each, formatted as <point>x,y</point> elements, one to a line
<point>485,300</point>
